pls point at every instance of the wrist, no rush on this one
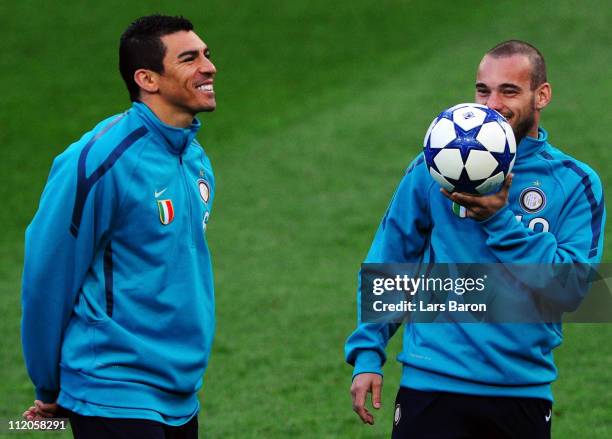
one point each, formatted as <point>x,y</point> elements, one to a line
<point>368,362</point>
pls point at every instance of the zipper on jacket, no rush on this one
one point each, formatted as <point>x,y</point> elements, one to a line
<point>188,195</point>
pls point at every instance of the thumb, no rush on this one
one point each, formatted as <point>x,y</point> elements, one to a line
<point>507,183</point>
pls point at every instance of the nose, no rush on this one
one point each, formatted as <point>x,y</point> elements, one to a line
<point>207,67</point>
<point>494,101</point>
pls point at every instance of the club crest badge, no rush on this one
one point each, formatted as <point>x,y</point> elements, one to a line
<point>166,211</point>
<point>459,210</point>
<point>204,189</point>
<point>532,200</point>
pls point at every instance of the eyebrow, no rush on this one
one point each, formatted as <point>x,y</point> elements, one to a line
<point>193,53</point>
<point>504,86</point>
<point>507,86</point>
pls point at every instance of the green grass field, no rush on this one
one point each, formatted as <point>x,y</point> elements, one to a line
<point>321,105</point>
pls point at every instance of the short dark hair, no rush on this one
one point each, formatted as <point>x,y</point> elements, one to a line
<point>141,47</point>
<point>518,47</point>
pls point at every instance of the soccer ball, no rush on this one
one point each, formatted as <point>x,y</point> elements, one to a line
<point>469,148</point>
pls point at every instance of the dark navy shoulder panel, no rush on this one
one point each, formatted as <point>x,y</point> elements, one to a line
<point>85,183</point>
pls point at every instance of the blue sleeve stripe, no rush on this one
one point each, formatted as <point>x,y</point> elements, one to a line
<point>85,184</point>
<point>596,208</point>
<point>432,253</point>
<point>596,226</point>
<point>546,155</point>
<point>414,165</point>
<point>108,278</point>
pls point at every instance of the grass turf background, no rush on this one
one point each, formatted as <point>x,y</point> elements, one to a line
<point>320,107</point>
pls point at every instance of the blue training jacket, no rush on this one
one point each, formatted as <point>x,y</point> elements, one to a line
<point>118,300</point>
<point>419,226</point>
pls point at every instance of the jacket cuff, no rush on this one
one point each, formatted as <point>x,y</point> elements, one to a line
<point>498,221</point>
<point>46,396</point>
<point>368,362</point>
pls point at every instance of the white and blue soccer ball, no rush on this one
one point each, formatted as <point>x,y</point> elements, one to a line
<point>470,148</point>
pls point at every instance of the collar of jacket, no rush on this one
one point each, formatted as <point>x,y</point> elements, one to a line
<point>530,145</point>
<point>176,139</point>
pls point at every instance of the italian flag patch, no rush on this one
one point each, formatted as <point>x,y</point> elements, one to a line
<point>459,210</point>
<point>166,211</point>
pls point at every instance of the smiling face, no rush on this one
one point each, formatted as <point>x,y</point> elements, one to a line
<point>187,81</point>
<point>504,84</point>
<point>185,87</point>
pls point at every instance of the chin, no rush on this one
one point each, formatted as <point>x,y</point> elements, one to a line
<point>207,107</point>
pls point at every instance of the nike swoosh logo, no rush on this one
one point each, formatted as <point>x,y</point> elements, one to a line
<point>547,417</point>
<point>157,194</point>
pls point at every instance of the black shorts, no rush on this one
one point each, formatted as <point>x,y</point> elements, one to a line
<point>94,427</point>
<point>441,415</point>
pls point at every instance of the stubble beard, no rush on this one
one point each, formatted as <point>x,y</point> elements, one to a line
<point>525,124</point>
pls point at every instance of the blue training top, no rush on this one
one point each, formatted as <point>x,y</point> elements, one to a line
<point>118,299</point>
<point>420,226</point>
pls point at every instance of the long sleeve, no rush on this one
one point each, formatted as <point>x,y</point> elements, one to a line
<point>567,252</point>
<point>401,238</point>
<point>59,248</point>
<point>579,238</point>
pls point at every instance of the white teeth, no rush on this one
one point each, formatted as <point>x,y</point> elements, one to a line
<point>205,87</point>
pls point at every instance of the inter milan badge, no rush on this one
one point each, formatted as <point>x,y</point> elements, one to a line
<point>204,190</point>
<point>166,211</point>
<point>459,210</point>
<point>398,415</point>
<point>532,200</point>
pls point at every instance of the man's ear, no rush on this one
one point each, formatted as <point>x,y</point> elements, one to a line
<point>147,80</point>
<point>543,95</point>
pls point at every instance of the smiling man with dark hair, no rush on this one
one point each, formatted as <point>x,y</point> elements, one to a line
<point>118,298</point>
